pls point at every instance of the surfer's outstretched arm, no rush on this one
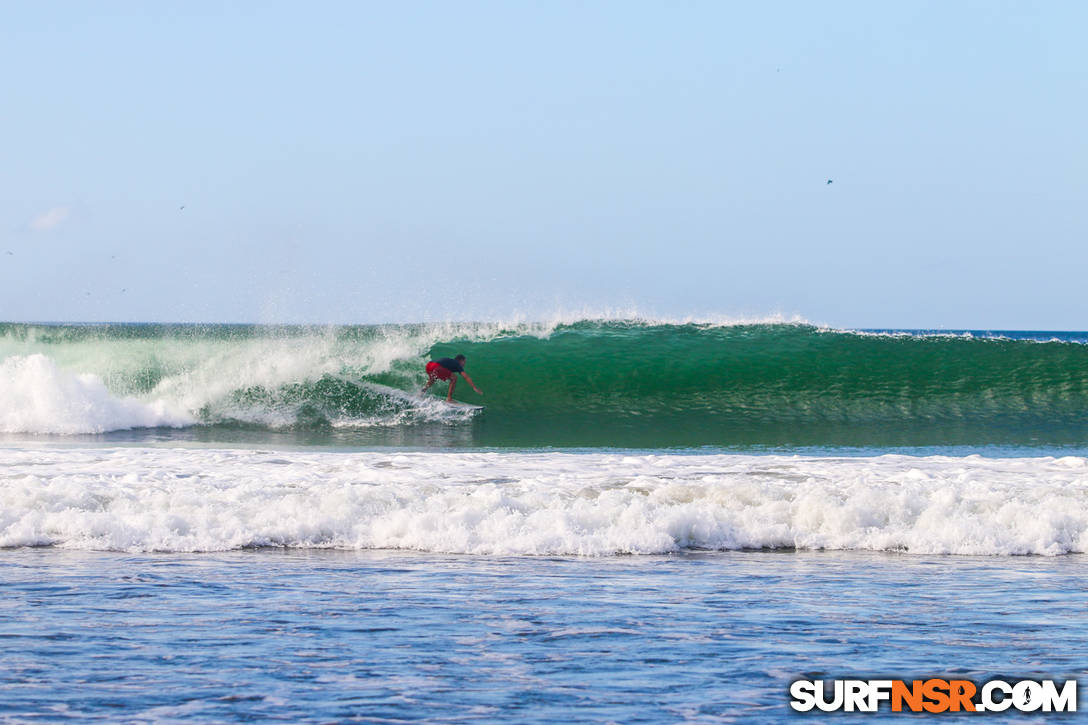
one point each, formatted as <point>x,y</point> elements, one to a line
<point>466,377</point>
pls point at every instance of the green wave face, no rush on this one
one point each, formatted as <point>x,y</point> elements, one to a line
<point>588,384</point>
<point>785,384</point>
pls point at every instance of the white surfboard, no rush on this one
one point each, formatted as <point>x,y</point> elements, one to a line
<point>459,404</point>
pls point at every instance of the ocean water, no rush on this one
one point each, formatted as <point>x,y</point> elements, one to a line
<point>302,635</point>
<point>649,521</point>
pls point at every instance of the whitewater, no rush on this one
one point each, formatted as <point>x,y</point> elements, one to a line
<point>155,500</point>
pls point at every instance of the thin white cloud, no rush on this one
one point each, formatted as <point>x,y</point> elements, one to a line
<point>50,219</point>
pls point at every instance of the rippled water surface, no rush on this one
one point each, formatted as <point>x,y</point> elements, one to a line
<point>319,636</point>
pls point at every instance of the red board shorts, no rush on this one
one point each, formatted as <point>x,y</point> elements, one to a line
<point>434,370</point>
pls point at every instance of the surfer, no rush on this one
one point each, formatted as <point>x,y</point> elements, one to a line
<point>447,369</point>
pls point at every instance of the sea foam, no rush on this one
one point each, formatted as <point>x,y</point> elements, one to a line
<point>186,500</point>
<point>36,396</point>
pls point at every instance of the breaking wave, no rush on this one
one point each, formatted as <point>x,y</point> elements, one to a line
<point>574,383</point>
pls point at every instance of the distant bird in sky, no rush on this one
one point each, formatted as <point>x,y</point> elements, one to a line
<point>11,253</point>
<point>181,207</point>
<point>829,181</point>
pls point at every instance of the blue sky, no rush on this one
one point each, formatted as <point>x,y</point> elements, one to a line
<point>367,162</point>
